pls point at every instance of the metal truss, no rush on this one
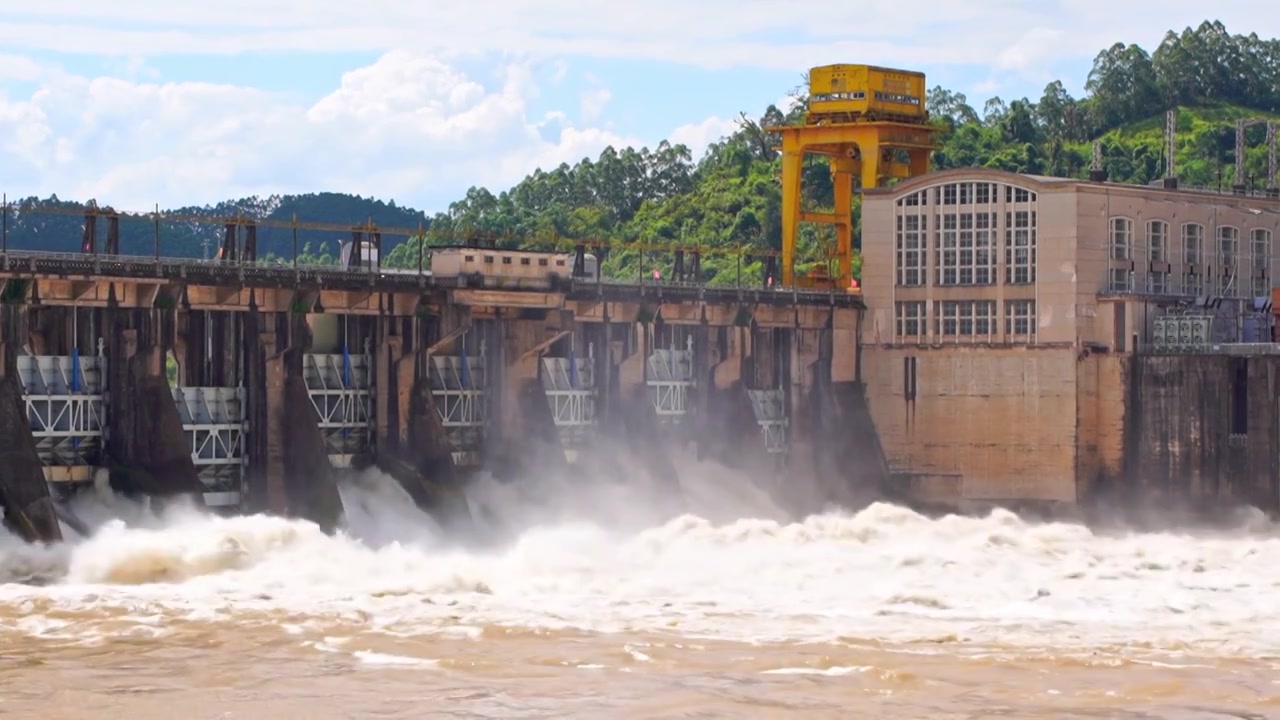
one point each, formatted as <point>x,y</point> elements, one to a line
<point>213,420</point>
<point>340,394</point>
<point>66,408</point>
<point>571,392</point>
<point>770,410</point>
<point>670,379</point>
<point>460,400</point>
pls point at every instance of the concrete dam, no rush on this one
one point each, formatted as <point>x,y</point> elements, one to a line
<point>1048,376</point>
<point>253,388</point>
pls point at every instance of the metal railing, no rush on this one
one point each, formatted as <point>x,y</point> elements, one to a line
<point>225,271</point>
<point>1250,191</point>
<point>247,233</point>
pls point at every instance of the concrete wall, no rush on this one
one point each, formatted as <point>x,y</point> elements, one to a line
<point>1101,407</point>
<point>1204,430</point>
<point>982,424</point>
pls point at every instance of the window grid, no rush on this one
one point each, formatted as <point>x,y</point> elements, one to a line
<point>1018,195</point>
<point>966,253</point>
<point>1260,249</point>
<point>961,246</point>
<point>1157,282</point>
<point>1192,243</point>
<point>977,254</point>
<point>1228,261</point>
<point>1228,246</point>
<point>1192,253</point>
<point>915,199</point>
<point>983,194</point>
<point>1158,252</point>
<point>912,234</point>
<point>1158,241</point>
<point>1121,239</point>
<point>1121,280</point>
<point>1020,247</point>
<point>1120,247</point>
<point>948,254</point>
<point>1193,283</point>
<point>910,318</point>
<point>964,318</point>
<point>1019,319</point>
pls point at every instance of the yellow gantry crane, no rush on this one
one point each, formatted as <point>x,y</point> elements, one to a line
<point>869,122</point>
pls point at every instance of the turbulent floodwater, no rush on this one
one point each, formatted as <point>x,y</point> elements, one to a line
<point>603,608</point>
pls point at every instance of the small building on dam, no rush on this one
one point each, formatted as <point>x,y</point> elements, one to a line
<point>1052,340</point>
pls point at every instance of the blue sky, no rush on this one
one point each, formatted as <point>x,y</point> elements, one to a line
<point>141,101</point>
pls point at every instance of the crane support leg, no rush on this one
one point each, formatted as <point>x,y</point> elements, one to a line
<point>792,159</point>
<point>842,170</point>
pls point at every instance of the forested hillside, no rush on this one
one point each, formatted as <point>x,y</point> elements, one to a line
<point>728,200</point>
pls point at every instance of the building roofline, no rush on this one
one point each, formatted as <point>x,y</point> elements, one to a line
<point>1183,194</point>
<point>1036,182</point>
<point>1041,182</point>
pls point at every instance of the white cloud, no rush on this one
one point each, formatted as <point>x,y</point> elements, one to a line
<point>710,33</point>
<point>697,136</point>
<point>1032,53</point>
<point>593,102</point>
<point>409,127</point>
<point>559,71</point>
<point>987,87</point>
<point>21,69</point>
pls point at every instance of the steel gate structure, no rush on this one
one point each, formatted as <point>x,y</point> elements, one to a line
<point>213,419</point>
<point>570,386</point>
<point>459,390</point>
<point>340,389</point>
<point>66,401</point>
<point>770,408</point>
<point>670,379</point>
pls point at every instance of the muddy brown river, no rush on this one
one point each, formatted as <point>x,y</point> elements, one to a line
<point>881,613</point>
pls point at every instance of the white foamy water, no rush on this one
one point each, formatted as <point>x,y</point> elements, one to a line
<point>883,574</point>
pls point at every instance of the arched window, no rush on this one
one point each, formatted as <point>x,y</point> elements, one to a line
<point>960,226</point>
<point>1228,246</point>
<point>1121,238</point>
<point>915,199</point>
<point>1158,240</point>
<point>1192,257</point>
<point>1260,249</point>
<point>1229,279</point>
<point>1121,244</point>
<point>1158,253</point>
<point>1192,243</point>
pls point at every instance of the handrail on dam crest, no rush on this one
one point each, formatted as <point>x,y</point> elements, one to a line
<point>254,273</point>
